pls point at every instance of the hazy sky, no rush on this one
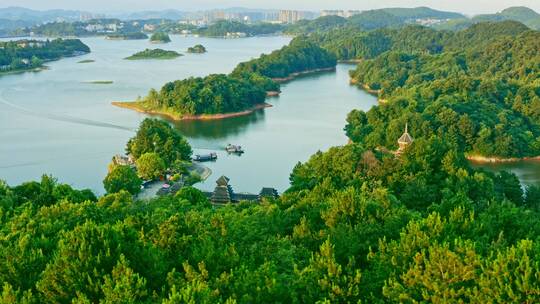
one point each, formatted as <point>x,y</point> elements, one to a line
<point>464,6</point>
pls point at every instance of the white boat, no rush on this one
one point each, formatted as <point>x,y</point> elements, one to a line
<point>234,149</point>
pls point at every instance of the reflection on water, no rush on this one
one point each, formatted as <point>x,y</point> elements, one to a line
<point>528,172</point>
<point>220,129</point>
<point>308,116</point>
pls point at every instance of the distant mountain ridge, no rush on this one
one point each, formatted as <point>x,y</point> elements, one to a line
<point>375,19</point>
<point>421,12</point>
<point>522,14</point>
<point>170,14</point>
<point>29,15</point>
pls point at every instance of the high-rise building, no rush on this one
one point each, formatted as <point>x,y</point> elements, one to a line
<point>288,16</point>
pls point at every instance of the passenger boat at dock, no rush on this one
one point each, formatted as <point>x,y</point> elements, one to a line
<point>234,149</point>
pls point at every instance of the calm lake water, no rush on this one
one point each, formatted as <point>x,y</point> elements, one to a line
<point>55,122</point>
<point>528,172</point>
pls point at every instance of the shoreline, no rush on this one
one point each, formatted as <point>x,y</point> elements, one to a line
<point>369,90</point>
<point>203,171</point>
<point>131,58</point>
<point>42,67</point>
<point>293,76</point>
<point>122,38</point>
<point>479,159</point>
<point>350,61</point>
<point>273,93</point>
<point>134,106</point>
<point>21,71</point>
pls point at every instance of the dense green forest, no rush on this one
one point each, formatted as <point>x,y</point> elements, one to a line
<point>197,49</point>
<point>349,43</point>
<point>371,20</point>
<point>213,94</point>
<point>154,54</point>
<point>95,27</point>
<point>60,29</point>
<point>29,54</point>
<point>160,37</point>
<point>299,56</point>
<point>355,226</point>
<point>222,27</point>
<point>524,15</point>
<point>479,92</point>
<point>420,13</point>
<point>241,90</point>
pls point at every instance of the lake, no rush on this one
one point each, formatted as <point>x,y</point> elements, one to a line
<point>57,122</point>
<point>528,172</point>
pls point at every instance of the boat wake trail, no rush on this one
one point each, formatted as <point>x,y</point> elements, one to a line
<point>41,162</point>
<point>64,118</point>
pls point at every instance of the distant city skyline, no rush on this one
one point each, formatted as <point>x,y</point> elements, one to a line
<point>462,6</point>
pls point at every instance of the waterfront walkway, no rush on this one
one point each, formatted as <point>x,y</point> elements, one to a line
<point>151,191</point>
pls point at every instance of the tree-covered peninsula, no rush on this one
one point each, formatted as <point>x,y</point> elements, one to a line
<point>226,28</point>
<point>300,56</point>
<point>243,91</point>
<point>480,92</point>
<point>160,37</point>
<point>127,36</point>
<point>154,54</point>
<point>23,55</point>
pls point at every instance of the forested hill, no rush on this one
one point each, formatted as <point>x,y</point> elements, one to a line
<point>421,12</point>
<point>480,92</point>
<point>372,19</point>
<point>26,54</point>
<point>223,28</point>
<point>299,56</point>
<point>524,15</point>
<point>350,43</point>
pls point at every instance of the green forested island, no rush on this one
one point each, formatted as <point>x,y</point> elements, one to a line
<point>160,37</point>
<point>31,54</point>
<point>127,36</point>
<point>201,96</point>
<point>197,49</point>
<point>240,92</point>
<point>154,54</point>
<point>224,28</point>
